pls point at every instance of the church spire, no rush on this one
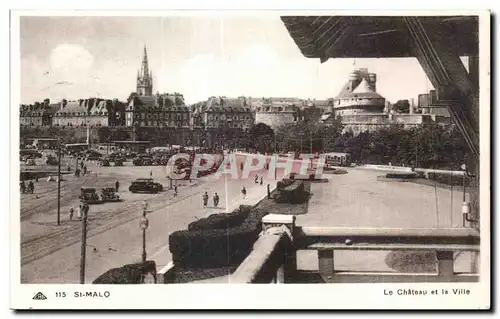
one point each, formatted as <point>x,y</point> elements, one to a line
<point>145,77</point>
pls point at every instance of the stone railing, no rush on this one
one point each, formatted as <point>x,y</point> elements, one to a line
<point>274,257</point>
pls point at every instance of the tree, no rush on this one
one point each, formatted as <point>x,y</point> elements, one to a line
<point>260,129</point>
<point>401,106</point>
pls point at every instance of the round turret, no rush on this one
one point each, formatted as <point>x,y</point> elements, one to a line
<point>354,76</point>
<point>372,77</point>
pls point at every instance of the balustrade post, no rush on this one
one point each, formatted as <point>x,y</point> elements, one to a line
<point>445,264</point>
<point>326,264</point>
<point>286,271</point>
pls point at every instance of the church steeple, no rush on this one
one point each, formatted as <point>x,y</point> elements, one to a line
<point>145,77</point>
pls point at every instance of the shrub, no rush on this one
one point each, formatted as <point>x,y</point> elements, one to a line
<point>213,248</point>
<point>219,221</point>
<point>449,179</point>
<point>128,274</point>
<point>400,175</point>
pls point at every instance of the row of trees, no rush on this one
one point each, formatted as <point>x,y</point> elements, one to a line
<point>428,146</point>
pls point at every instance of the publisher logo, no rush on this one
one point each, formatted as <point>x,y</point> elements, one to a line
<point>39,296</point>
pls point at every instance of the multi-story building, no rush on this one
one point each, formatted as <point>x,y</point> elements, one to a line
<point>37,114</point>
<point>276,112</point>
<point>162,110</point>
<point>223,112</point>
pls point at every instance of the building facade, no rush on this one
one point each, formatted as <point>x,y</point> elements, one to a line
<point>161,110</point>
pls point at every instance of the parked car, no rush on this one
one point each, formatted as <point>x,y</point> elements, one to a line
<point>143,160</point>
<point>88,195</point>
<point>119,161</point>
<point>105,162</point>
<point>51,160</point>
<point>108,194</point>
<point>146,185</point>
<point>93,156</point>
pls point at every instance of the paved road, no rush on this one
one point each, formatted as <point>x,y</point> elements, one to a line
<point>357,199</point>
<point>52,254</point>
<point>115,233</point>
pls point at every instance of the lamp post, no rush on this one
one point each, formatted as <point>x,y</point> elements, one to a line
<point>59,182</point>
<point>85,210</point>
<point>144,223</point>
<point>301,134</point>
<point>464,168</point>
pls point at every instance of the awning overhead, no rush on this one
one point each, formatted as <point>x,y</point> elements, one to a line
<point>327,37</point>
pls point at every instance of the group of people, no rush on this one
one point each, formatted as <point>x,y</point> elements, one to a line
<point>215,199</point>
<point>82,210</point>
<point>30,188</point>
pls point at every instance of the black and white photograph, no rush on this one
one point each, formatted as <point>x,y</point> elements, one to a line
<point>183,148</point>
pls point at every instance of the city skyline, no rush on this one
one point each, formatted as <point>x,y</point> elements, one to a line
<point>80,57</point>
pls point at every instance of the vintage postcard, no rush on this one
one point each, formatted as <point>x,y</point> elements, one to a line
<point>154,152</point>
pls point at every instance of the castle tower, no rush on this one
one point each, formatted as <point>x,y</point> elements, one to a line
<point>145,77</point>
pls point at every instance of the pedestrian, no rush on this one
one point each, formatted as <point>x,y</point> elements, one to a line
<point>216,200</point>
<point>85,210</point>
<point>79,212</point>
<point>175,191</point>
<point>117,186</point>
<point>31,187</point>
<point>256,179</point>
<point>71,212</point>
<point>268,191</point>
<point>244,192</point>
<point>205,200</point>
<point>261,180</point>
<point>36,178</point>
<point>23,187</point>
<point>241,166</point>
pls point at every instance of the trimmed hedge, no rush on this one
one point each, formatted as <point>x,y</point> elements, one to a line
<point>126,275</point>
<point>221,221</point>
<point>449,179</point>
<point>400,175</point>
<point>293,194</point>
<point>214,248</point>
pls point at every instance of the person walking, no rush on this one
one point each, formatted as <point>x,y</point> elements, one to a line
<point>117,186</point>
<point>175,191</point>
<point>31,187</point>
<point>79,212</point>
<point>261,180</point>
<point>216,200</point>
<point>71,212</point>
<point>205,200</point>
<point>244,192</point>
<point>268,191</point>
<point>256,179</point>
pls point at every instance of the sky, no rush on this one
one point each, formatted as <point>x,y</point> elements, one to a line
<point>201,56</point>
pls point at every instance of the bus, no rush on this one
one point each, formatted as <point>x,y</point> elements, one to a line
<point>337,159</point>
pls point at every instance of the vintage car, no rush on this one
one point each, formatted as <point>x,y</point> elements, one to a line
<point>143,160</point>
<point>105,162</point>
<point>146,185</point>
<point>88,195</point>
<point>51,160</point>
<point>93,156</point>
<point>119,161</point>
<point>108,195</point>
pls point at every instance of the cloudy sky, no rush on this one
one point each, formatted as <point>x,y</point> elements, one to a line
<point>78,57</point>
